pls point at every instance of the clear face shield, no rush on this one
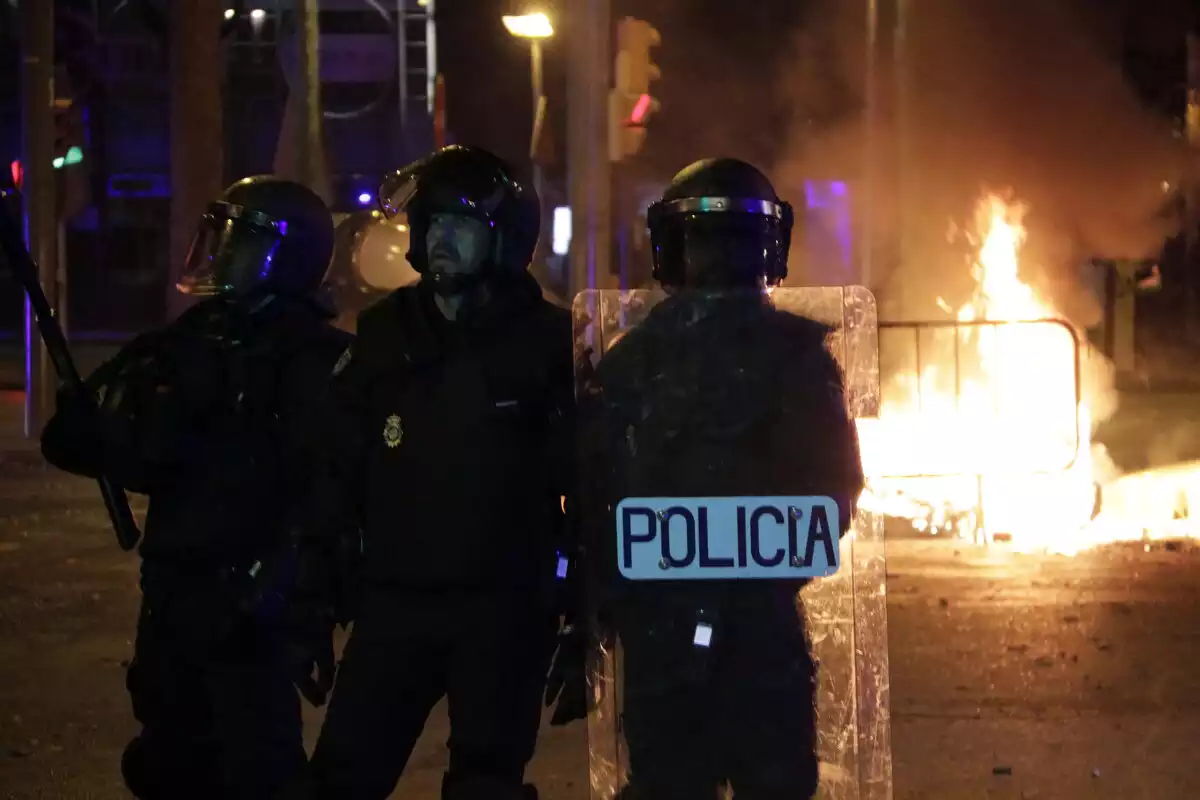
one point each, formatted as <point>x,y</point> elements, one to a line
<point>445,190</point>
<point>232,252</point>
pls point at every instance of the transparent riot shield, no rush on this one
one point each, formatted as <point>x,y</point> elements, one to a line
<point>722,569</point>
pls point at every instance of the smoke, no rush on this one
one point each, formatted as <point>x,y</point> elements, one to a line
<point>1020,96</point>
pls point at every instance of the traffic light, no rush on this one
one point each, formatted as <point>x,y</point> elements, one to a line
<point>635,70</point>
<point>68,133</point>
<point>70,138</point>
<point>630,103</point>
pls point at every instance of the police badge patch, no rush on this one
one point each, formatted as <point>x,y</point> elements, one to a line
<point>393,432</point>
<point>343,361</point>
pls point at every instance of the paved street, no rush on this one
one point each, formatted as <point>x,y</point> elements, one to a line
<point>1012,676</point>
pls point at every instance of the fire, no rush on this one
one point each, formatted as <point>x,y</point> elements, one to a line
<point>988,435</point>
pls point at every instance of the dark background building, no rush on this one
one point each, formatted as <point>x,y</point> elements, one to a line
<point>722,72</point>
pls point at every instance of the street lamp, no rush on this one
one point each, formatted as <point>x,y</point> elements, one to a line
<point>533,27</point>
<point>528,26</point>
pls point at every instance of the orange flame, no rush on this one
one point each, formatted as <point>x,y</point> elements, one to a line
<point>993,422</point>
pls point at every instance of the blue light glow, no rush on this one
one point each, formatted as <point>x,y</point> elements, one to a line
<point>831,237</point>
<point>364,199</point>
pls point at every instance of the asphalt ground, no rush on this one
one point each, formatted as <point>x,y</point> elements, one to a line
<point>1012,676</point>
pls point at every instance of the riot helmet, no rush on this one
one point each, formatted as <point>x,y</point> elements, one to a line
<point>720,225</point>
<point>368,261</point>
<point>264,234</point>
<point>470,183</point>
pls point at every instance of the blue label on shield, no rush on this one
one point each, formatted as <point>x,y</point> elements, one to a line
<point>719,538</point>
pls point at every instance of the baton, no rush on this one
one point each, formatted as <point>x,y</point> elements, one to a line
<point>26,271</point>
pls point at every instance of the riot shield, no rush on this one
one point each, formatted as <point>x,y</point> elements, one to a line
<point>724,575</point>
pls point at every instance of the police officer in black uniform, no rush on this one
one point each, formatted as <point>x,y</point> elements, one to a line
<point>205,417</point>
<point>448,445</point>
<point>716,393</point>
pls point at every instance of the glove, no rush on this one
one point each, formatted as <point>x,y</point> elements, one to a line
<point>310,651</point>
<point>566,683</point>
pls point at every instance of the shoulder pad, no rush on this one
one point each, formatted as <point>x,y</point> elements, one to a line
<point>386,328</point>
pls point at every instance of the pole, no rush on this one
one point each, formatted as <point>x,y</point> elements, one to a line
<point>882,243</point>
<point>885,141</point>
<point>62,306</point>
<point>37,153</point>
<point>1191,195</point>
<point>310,150</point>
<point>588,172</point>
<point>97,137</point>
<point>535,59</point>
<point>905,168</point>
<point>402,72</point>
<point>869,236</point>
<point>439,112</point>
<point>622,222</point>
<point>197,133</point>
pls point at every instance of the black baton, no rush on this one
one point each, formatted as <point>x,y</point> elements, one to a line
<point>26,271</point>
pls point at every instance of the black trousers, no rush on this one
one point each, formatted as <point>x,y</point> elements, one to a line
<point>219,714</point>
<point>486,653</point>
<point>740,712</point>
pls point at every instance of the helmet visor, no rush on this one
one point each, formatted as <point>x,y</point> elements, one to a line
<point>721,205</point>
<point>232,251</point>
<point>398,188</point>
<point>444,186</point>
<point>717,241</point>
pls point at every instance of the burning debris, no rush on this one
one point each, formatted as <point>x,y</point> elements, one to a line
<point>986,434</point>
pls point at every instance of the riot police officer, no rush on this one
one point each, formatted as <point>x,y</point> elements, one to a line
<point>448,422</point>
<point>717,393</point>
<point>204,417</point>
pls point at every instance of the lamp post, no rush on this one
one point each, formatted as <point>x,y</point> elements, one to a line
<point>535,28</point>
<point>37,155</point>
